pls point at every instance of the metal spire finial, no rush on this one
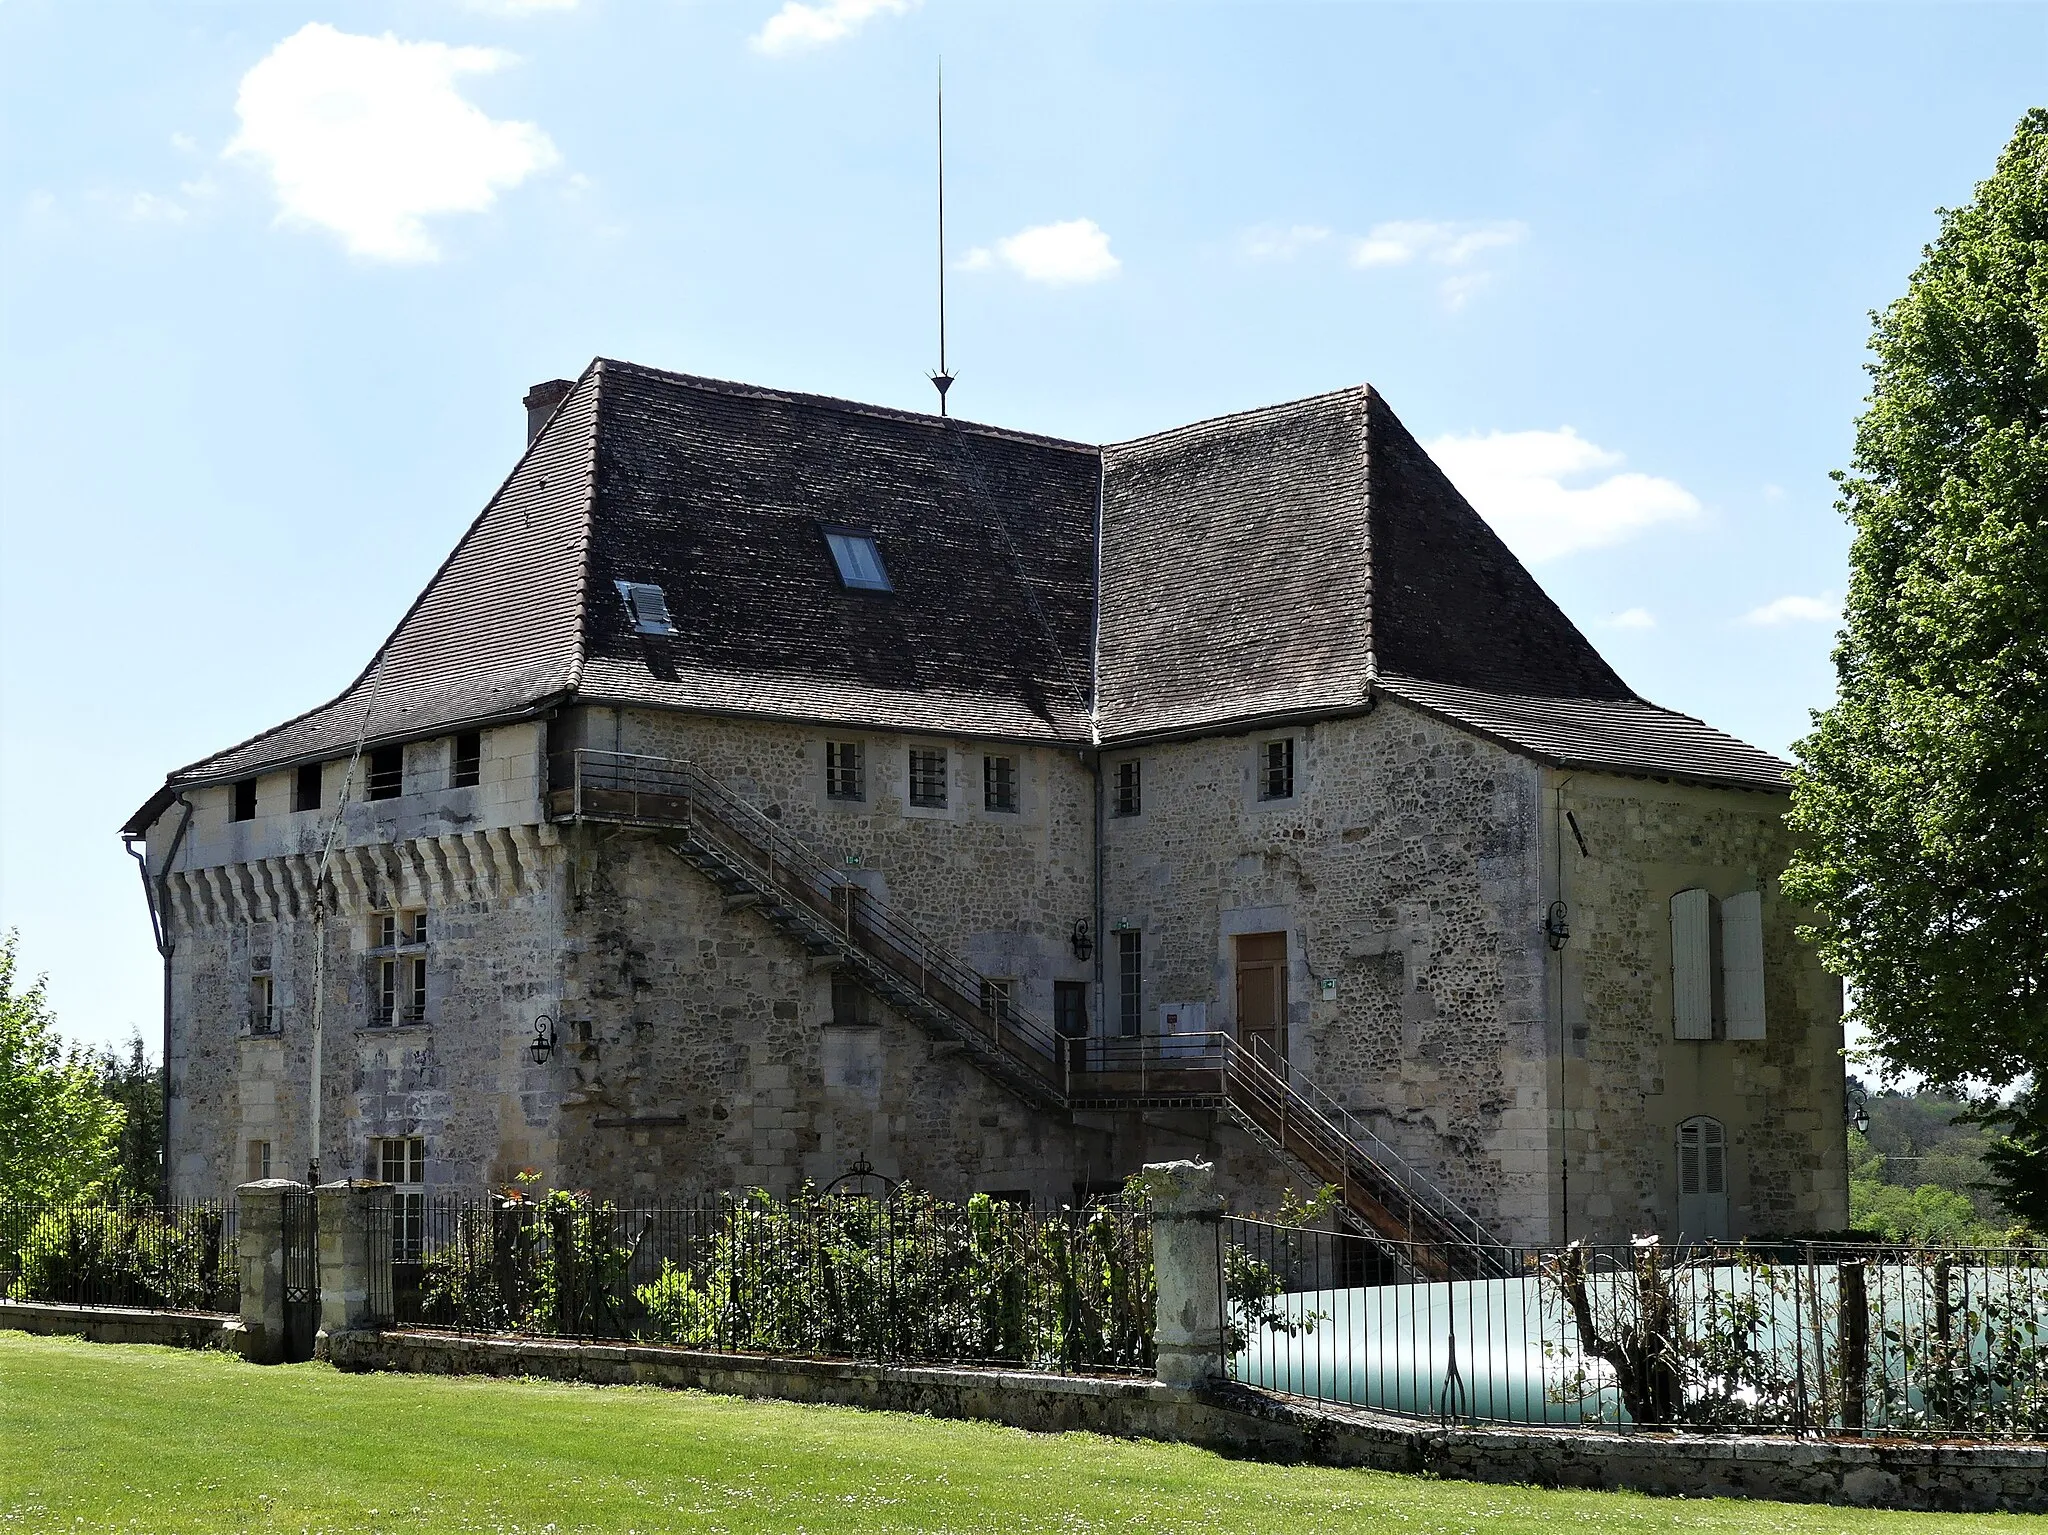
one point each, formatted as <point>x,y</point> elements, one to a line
<point>942,380</point>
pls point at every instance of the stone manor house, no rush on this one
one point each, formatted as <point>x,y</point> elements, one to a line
<point>769,788</point>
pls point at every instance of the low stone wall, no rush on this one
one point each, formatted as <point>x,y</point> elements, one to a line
<point>121,1324</point>
<point>1236,1421</point>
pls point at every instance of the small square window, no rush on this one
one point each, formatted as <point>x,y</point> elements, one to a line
<point>928,779</point>
<point>844,778</point>
<point>999,783</point>
<point>468,765</point>
<point>387,773</point>
<point>244,806</point>
<point>306,786</point>
<point>647,606</point>
<point>1127,801</point>
<point>849,1004</point>
<point>259,1160</point>
<point>858,559</point>
<point>1276,769</point>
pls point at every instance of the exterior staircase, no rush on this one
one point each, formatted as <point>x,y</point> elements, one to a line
<point>762,867</point>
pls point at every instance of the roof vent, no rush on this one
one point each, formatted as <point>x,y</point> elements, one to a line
<point>540,403</point>
<point>647,604</point>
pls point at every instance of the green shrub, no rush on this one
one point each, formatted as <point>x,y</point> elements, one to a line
<point>115,1257</point>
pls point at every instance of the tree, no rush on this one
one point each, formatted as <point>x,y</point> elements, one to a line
<point>1923,791</point>
<point>134,1081</point>
<point>59,1131</point>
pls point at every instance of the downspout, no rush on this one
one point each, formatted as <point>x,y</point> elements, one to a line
<point>1095,737</point>
<point>1557,933</point>
<point>155,893</point>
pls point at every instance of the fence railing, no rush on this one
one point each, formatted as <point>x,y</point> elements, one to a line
<point>906,1278</point>
<point>173,1257</point>
<point>1814,1338</point>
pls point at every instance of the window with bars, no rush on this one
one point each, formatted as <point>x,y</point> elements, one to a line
<point>402,1163</point>
<point>1276,769</point>
<point>999,783</point>
<point>262,996</point>
<point>928,778</point>
<point>1125,800</point>
<point>466,769</point>
<point>386,778</point>
<point>845,775</point>
<point>242,806</point>
<point>398,969</point>
<point>306,786</point>
<point>1130,981</point>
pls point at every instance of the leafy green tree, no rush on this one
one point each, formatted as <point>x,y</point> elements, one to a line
<point>1923,791</point>
<point>60,1133</point>
<point>136,1082</point>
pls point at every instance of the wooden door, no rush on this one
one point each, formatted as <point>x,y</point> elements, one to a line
<point>1262,995</point>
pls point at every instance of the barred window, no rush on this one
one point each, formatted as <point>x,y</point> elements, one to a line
<point>467,768</point>
<point>386,779</point>
<point>262,996</point>
<point>844,776</point>
<point>999,783</point>
<point>928,778</point>
<point>402,1163</point>
<point>398,968</point>
<point>1130,984</point>
<point>1276,769</point>
<point>1127,801</point>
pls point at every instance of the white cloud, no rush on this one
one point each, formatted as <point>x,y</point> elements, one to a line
<point>1824,609</point>
<point>1271,242</point>
<point>1518,482</point>
<point>1444,244</point>
<point>368,136</point>
<point>798,25</point>
<point>1076,251</point>
<point>1633,618</point>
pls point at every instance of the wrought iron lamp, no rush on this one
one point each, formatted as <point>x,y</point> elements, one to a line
<point>543,1044</point>
<point>1556,928</point>
<point>1082,940</point>
<point>1855,1107</point>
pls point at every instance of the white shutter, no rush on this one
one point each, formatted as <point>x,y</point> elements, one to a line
<point>1742,964</point>
<point>1692,975</point>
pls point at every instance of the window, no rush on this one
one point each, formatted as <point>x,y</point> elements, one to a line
<point>467,768</point>
<point>1702,1179</point>
<point>398,969</point>
<point>999,783</point>
<point>243,807</point>
<point>259,1161</point>
<point>1276,769</point>
<point>859,561</point>
<point>262,997</point>
<point>928,778</point>
<point>849,1004</point>
<point>387,772</point>
<point>1692,961</point>
<point>1126,801</point>
<point>843,774</point>
<point>1130,1011</point>
<point>1069,1023</point>
<point>647,606</point>
<point>306,786</point>
<point>995,999</point>
<point>402,1163</point>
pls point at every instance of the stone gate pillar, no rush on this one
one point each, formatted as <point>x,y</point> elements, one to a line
<point>259,1240</point>
<point>1187,1266</point>
<point>355,1256</point>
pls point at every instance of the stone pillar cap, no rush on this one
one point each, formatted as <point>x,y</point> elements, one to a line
<point>271,1186</point>
<point>1180,1187</point>
<point>343,1185</point>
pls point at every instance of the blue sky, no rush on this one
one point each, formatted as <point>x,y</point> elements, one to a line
<point>276,275</point>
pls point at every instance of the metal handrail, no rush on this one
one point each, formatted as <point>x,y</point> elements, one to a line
<point>866,921</point>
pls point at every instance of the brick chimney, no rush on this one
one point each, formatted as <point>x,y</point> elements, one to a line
<point>540,403</point>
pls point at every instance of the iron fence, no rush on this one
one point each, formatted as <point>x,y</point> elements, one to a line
<point>1805,1337</point>
<point>903,1278</point>
<point>175,1257</point>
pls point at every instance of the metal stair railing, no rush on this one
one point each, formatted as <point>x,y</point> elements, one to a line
<point>665,791</point>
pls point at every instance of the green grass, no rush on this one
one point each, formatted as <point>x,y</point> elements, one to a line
<point>94,1437</point>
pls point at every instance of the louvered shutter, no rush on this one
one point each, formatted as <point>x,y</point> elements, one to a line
<point>1714,1158</point>
<point>1742,964</point>
<point>1692,977</point>
<point>1689,1158</point>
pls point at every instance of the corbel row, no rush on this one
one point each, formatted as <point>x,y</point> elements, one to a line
<point>457,867</point>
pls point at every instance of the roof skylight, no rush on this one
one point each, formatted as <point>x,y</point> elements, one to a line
<point>859,561</point>
<point>647,605</point>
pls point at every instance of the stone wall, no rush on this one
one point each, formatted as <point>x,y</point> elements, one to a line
<point>1630,1081</point>
<point>1406,872</point>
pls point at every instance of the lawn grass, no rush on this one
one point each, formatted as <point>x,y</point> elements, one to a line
<point>97,1437</point>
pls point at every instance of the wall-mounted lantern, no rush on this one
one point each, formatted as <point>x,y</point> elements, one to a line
<point>1082,940</point>
<point>543,1044</point>
<point>1855,1108</point>
<point>1557,930</point>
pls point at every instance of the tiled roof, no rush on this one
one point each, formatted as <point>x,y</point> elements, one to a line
<point>1267,564</point>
